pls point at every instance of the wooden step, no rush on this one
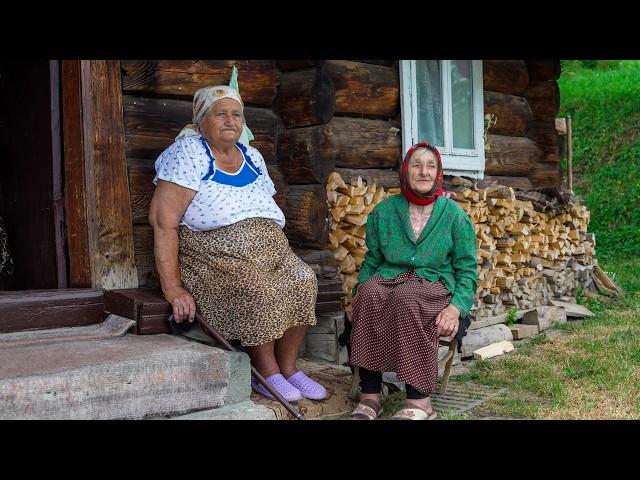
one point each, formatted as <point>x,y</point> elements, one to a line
<point>39,309</point>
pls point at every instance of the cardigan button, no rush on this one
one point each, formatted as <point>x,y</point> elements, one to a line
<point>413,258</point>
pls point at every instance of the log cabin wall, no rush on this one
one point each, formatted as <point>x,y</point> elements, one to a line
<point>524,148</point>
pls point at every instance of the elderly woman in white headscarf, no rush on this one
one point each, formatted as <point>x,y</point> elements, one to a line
<point>219,244</point>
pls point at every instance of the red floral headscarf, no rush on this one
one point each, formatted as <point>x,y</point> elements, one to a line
<point>413,196</point>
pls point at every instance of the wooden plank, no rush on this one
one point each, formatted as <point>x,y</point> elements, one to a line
<point>40,309</point>
<point>258,80</point>
<point>74,171</point>
<point>493,350</point>
<point>109,218</point>
<point>573,309</point>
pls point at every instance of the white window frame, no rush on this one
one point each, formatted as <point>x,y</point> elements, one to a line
<point>457,161</point>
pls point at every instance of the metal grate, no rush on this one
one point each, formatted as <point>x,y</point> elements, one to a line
<point>462,397</point>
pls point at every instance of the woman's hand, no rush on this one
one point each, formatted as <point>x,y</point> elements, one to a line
<point>184,306</point>
<point>447,321</point>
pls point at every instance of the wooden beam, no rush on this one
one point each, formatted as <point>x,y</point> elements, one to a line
<point>38,309</point>
<point>94,156</point>
<point>74,172</point>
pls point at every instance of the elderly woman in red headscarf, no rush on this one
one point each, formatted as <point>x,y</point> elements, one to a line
<point>418,278</point>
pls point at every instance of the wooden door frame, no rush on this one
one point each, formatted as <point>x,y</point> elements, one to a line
<point>97,201</point>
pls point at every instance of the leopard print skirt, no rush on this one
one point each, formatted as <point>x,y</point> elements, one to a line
<point>246,281</point>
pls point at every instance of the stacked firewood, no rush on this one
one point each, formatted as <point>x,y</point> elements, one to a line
<point>528,253</point>
<point>350,206</point>
<point>526,257</point>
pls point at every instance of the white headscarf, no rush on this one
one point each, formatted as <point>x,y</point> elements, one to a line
<point>203,99</point>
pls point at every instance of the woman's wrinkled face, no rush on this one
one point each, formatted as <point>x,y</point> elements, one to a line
<point>423,170</point>
<point>223,121</point>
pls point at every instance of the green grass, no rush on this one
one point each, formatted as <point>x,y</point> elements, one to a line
<point>604,103</point>
<point>594,372</point>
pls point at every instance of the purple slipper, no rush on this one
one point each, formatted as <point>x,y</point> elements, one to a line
<point>308,387</point>
<point>280,384</point>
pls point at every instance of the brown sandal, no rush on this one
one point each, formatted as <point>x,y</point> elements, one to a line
<point>367,410</point>
<point>414,413</point>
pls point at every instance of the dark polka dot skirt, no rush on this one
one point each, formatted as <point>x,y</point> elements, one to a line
<point>394,328</point>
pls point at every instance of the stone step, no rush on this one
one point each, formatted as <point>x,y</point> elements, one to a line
<point>128,377</point>
<point>246,410</point>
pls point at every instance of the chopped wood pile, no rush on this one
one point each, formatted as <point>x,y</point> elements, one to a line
<point>532,246</point>
<point>350,205</point>
<point>530,249</point>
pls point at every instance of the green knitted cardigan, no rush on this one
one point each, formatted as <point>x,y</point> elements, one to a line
<point>445,250</point>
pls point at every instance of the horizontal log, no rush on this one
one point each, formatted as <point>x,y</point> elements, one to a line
<point>544,99</point>
<point>382,63</point>
<point>307,154</point>
<point>280,185</point>
<point>164,118</point>
<point>147,277</point>
<point>143,239</point>
<point>140,208</point>
<point>146,147</point>
<point>39,309</point>
<point>289,65</point>
<point>546,175</point>
<point>141,173</point>
<point>321,261</point>
<point>306,97</point>
<point>511,156</point>
<point>505,76</point>
<point>383,178</point>
<point>522,183</point>
<point>258,80</point>
<point>364,143</point>
<point>542,70</point>
<point>365,89</point>
<point>513,114</point>
<point>544,133</point>
<point>306,213</point>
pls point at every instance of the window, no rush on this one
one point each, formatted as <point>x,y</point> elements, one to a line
<point>441,102</point>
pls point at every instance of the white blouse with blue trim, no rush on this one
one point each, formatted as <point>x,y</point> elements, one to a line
<point>222,198</point>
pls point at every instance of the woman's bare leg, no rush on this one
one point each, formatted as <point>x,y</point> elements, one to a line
<point>287,347</point>
<point>263,358</point>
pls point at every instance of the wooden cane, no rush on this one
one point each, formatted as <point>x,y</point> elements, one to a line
<point>223,341</point>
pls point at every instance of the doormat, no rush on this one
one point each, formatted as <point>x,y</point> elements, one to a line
<point>462,397</point>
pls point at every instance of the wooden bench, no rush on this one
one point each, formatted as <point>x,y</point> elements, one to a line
<point>151,311</point>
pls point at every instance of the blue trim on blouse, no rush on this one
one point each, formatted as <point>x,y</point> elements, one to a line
<point>248,173</point>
